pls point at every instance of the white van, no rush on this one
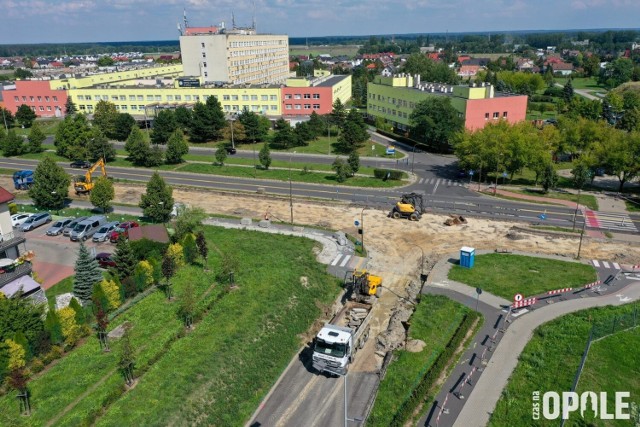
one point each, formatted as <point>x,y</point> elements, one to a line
<point>87,228</point>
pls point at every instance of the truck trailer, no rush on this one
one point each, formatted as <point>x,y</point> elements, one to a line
<point>338,341</point>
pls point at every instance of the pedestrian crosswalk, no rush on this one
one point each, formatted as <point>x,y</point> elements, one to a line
<point>347,261</point>
<point>605,264</point>
<point>440,181</point>
<point>609,221</point>
<point>341,260</point>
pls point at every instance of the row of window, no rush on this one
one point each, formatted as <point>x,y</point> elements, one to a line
<point>250,97</point>
<point>257,43</point>
<point>42,108</point>
<point>304,95</point>
<point>225,107</point>
<point>260,52</point>
<point>263,108</point>
<point>384,110</point>
<point>270,60</point>
<point>397,102</point>
<point>299,107</point>
<point>150,98</point>
<point>496,115</point>
<point>33,98</point>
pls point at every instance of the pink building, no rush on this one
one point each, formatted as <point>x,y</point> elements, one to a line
<point>479,112</point>
<point>301,101</point>
<point>38,95</point>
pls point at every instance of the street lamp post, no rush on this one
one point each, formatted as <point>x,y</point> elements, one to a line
<point>584,224</point>
<point>290,189</point>
<point>231,120</point>
<point>5,120</point>
<point>413,157</point>
<point>362,227</point>
<point>576,211</point>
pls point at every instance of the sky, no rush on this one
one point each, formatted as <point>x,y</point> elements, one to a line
<point>76,21</point>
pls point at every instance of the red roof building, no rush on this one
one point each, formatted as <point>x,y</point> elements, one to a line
<point>5,196</point>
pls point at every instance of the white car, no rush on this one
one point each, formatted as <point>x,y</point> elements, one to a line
<point>18,219</point>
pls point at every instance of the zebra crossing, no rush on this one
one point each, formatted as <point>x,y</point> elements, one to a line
<point>342,260</point>
<point>441,181</point>
<point>605,264</point>
<point>609,221</point>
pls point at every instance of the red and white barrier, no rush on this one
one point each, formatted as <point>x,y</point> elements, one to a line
<point>442,409</point>
<point>591,285</point>
<point>524,303</point>
<point>559,291</point>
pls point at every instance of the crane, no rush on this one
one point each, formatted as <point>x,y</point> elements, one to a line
<point>84,184</point>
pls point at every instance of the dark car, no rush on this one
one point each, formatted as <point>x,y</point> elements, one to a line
<point>80,164</point>
<point>231,150</point>
<point>104,260</point>
<point>122,230</point>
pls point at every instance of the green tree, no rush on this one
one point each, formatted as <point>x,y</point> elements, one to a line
<point>567,91</point>
<point>87,275</point>
<point>177,147</point>
<point>126,358</point>
<point>99,147</point>
<point>189,220</point>
<point>36,138</point>
<point>105,61</point>
<point>12,144</point>
<point>80,316</point>
<point>50,186</point>
<point>102,193</point>
<point>105,116</point>
<point>20,314</point>
<point>7,118</point>
<point>22,73</point>
<point>254,125</point>
<point>208,121</point>
<point>338,113</point>
<point>221,155</point>
<point>71,137</point>
<point>284,136</point>
<point>342,169</point>
<point>124,259</point>
<point>163,126</point>
<point>303,133</point>
<point>189,248</point>
<point>157,202</point>
<point>53,328</point>
<point>25,116</point>
<point>434,122</point>
<point>616,72</point>
<point>70,107</point>
<point>122,126</point>
<point>317,125</point>
<point>137,147</point>
<point>265,156</point>
<point>429,70</point>
<point>187,306</point>
<point>238,135</point>
<point>354,162</point>
<point>619,152</point>
<point>156,156</point>
<point>183,117</point>
<point>168,270</point>
<point>22,341</point>
<point>549,177</point>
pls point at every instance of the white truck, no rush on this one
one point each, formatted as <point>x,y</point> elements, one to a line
<point>336,344</point>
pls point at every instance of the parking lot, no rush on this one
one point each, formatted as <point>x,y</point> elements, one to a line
<point>56,255</point>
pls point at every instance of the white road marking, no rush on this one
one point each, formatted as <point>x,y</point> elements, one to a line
<point>605,264</point>
<point>596,263</point>
<point>616,266</point>
<point>335,260</point>
<point>345,260</point>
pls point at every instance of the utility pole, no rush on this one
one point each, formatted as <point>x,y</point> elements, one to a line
<point>584,224</point>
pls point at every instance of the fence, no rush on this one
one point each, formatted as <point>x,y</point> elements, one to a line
<point>602,329</point>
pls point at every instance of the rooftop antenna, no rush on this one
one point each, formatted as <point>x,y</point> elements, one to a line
<point>233,21</point>
<point>253,18</point>
<point>184,18</point>
<point>180,29</point>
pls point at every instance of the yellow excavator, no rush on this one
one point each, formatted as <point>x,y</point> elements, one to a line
<point>365,285</point>
<point>83,184</point>
<point>410,206</point>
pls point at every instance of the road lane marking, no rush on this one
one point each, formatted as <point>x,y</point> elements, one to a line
<point>345,261</point>
<point>335,260</point>
<point>605,264</point>
<point>596,263</point>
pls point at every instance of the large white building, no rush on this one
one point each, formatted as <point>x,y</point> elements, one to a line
<point>234,56</point>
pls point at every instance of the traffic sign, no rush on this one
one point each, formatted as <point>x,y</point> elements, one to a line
<point>478,291</point>
<point>356,223</point>
<point>471,172</point>
<point>518,297</point>
<point>504,174</point>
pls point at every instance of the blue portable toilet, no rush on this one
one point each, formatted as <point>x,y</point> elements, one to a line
<point>467,256</point>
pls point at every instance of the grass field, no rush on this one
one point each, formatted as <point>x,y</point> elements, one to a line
<point>550,361</point>
<point>507,274</point>
<point>585,199</point>
<point>612,365</point>
<point>218,372</point>
<point>48,126</point>
<point>589,83</point>
<point>435,321</point>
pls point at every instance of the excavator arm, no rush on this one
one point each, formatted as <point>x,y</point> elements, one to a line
<point>85,184</point>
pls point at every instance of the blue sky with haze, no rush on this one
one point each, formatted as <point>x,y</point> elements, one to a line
<point>56,21</point>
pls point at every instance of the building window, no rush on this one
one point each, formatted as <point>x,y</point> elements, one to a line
<point>123,107</point>
<point>82,107</point>
<point>46,98</point>
<point>196,97</point>
<point>486,116</point>
<point>204,55</point>
<point>316,96</point>
<point>274,107</point>
<point>55,99</point>
<point>88,97</point>
<point>132,97</point>
<point>287,107</point>
<point>245,97</point>
<point>234,97</point>
<point>496,115</point>
<point>41,108</point>
<point>254,97</point>
<point>149,97</point>
<point>178,97</point>
<point>296,96</point>
<point>187,97</point>
<point>158,98</point>
<point>141,107</point>
<point>204,64</point>
<point>24,98</point>
<point>504,114</point>
<point>307,106</point>
<point>31,98</point>
<point>226,97</point>
<point>307,96</point>
<point>255,107</point>
<point>114,97</point>
<point>48,108</point>
<point>123,98</point>
<point>273,97</point>
<point>134,107</point>
<point>297,107</point>
<point>201,44</point>
<point>287,96</point>
<point>264,97</point>
<point>80,98</point>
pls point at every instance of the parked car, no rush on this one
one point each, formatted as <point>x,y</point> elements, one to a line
<point>231,150</point>
<point>105,231</point>
<point>123,229</point>
<point>105,260</point>
<point>35,221</point>
<point>177,209</point>
<point>80,164</point>
<point>87,228</point>
<point>58,226</point>
<point>69,228</point>
<point>18,219</point>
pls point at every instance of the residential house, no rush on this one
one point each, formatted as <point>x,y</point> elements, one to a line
<point>468,70</point>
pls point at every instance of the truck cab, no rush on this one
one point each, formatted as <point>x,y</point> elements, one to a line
<point>332,349</point>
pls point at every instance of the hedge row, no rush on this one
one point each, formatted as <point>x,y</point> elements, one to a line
<point>393,174</point>
<point>418,394</point>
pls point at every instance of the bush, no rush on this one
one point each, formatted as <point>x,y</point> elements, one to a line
<point>382,173</point>
<point>36,365</point>
<point>143,275</point>
<point>56,352</point>
<point>176,252</point>
<point>70,328</point>
<point>144,249</point>
<point>13,209</point>
<point>111,292</point>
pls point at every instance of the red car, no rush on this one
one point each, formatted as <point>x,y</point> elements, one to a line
<point>123,229</point>
<point>104,260</point>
